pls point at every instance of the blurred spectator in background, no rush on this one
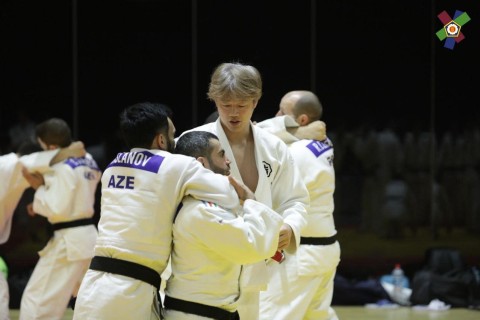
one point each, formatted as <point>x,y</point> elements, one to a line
<point>23,129</point>
<point>397,208</point>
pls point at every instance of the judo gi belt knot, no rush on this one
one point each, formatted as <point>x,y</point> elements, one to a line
<point>200,309</point>
<point>72,224</point>
<point>321,241</point>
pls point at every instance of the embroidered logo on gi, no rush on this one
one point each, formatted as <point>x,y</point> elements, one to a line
<point>268,168</point>
<point>89,175</point>
<point>210,204</point>
<point>330,160</point>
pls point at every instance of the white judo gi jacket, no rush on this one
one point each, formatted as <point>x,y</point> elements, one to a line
<point>210,244</point>
<point>12,187</point>
<point>67,195</point>
<point>141,191</point>
<point>279,187</point>
<point>307,282</point>
<point>13,184</point>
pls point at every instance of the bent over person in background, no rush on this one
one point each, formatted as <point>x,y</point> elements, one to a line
<point>141,190</point>
<point>305,290</point>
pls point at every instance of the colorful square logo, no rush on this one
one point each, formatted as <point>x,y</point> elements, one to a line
<point>451,31</point>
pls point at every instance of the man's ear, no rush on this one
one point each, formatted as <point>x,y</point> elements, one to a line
<point>162,141</point>
<point>202,160</point>
<point>303,119</point>
<point>158,142</point>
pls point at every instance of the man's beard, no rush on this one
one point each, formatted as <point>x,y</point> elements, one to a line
<point>170,146</point>
<point>219,170</point>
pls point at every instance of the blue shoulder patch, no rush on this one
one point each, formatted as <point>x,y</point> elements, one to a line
<point>82,162</point>
<point>318,147</point>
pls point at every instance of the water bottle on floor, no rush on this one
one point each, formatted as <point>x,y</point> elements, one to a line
<point>397,279</point>
<point>401,291</point>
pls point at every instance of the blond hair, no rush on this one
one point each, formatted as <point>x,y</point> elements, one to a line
<point>235,81</point>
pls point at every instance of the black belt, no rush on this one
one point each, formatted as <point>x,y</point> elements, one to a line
<point>126,268</point>
<point>129,269</point>
<point>200,309</point>
<point>71,224</point>
<point>318,241</point>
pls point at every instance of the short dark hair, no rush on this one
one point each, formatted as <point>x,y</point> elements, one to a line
<point>195,144</point>
<point>141,122</point>
<point>54,131</point>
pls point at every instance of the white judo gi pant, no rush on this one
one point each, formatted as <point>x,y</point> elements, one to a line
<point>52,283</point>
<point>4,298</point>
<point>307,294</point>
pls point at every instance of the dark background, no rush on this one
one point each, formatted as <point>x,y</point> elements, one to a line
<point>372,63</point>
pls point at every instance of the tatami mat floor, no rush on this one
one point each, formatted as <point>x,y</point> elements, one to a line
<point>361,313</point>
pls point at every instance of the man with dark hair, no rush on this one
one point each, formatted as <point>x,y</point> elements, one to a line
<point>65,195</point>
<point>210,243</point>
<point>55,132</point>
<point>198,144</point>
<point>141,121</point>
<point>141,190</point>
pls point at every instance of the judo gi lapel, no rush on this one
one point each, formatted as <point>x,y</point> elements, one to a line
<point>263,191</point>
<point>254,276</point>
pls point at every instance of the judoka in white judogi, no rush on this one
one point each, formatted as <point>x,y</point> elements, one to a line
<point>279,187</point>
<point>210,246</point>
<point>68,195</point>
<point>141,191</point>
<point>304,289</point>
<point>11,189</point>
